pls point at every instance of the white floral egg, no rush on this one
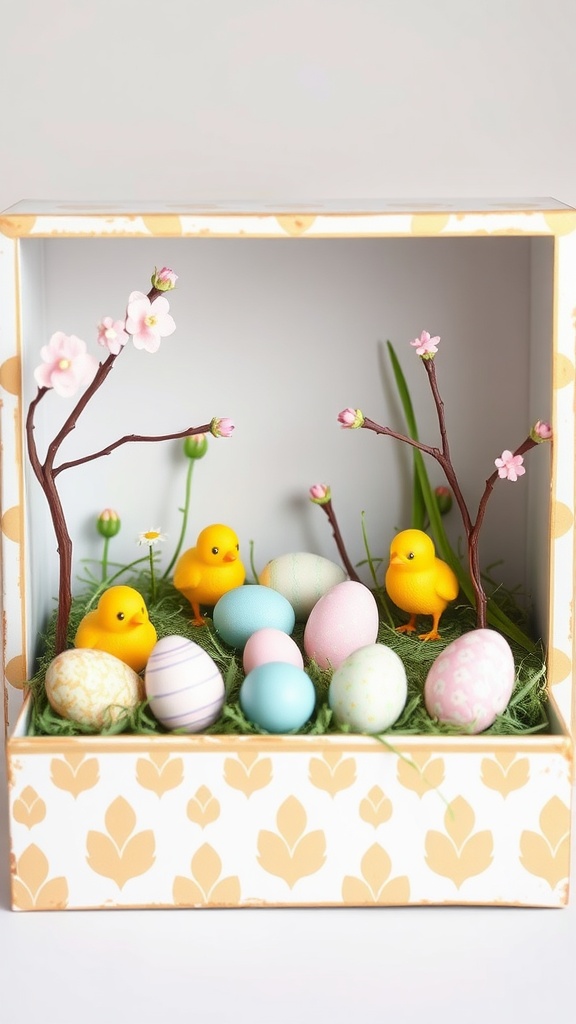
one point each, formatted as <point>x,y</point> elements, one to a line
<point>342,621</point>
<point>368,691</point>
<point>183,684</point>
<point>302,578</point>
<point>471,681</point>
<point>91,687</point>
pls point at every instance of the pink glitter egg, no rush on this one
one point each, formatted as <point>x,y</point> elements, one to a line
<point>342,621</point>
<point>471,682</point>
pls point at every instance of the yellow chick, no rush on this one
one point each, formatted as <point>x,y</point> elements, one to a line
<point>418,582</point>
<point>120,626</point>
<point>209,570</point>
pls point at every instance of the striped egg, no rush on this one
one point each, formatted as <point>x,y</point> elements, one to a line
<point>302,578</point>
<point>183,684</point>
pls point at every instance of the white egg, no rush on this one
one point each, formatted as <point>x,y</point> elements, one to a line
<point>91,687</point>
<point>183,684</point>
<point>368,691</point>
<point>302,578</point>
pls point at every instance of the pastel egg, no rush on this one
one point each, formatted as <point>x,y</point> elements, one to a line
<point>345,619</point>
<point>240,612</point>
<point>278,697</point>
<point>471,681</point>
<point>183,684</point>
<point>368,690</point>
<point>91,687</point>
<point>303,578</point>
<point>270,645</point>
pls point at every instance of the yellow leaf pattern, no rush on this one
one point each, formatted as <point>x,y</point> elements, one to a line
<point>291,854</point>
<point>205,886</point>
<point>248,772</point>
<point>29,809</point>
<point>547,855</point>
<point>375,886</point>
<point>421,773</point>
<point>31,888</point>
<point>160,773</point>
<point>375,808</point>
<point>74,773</point>
<point>505,774</point>
<point>203,808</point>
<point>460,854</point>
<point>116,855</point>
<point>332,772</point>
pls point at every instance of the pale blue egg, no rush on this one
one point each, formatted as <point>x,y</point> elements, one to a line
<point>277,696</point>
<point>240,612</point>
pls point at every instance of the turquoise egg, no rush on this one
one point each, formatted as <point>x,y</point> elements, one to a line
<point>240,612</point>
<point>277,696</point>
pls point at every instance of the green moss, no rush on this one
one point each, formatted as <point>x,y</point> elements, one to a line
<point>526,712</point>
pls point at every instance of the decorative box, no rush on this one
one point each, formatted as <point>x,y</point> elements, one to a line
<point>282,316</point>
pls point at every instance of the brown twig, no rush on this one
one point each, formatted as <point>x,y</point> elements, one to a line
<point>326,506</point>
<point>442,456</point>
<point>46,474</point>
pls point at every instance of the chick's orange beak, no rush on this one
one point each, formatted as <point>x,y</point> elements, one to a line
<point>230,556</point>
<point>138,619</point>
<point>395,560</point>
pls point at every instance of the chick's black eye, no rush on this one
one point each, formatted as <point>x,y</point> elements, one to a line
<point>215,551</point>
<point>120,616</point>
<point>410,555</point>
<point>237,547</point>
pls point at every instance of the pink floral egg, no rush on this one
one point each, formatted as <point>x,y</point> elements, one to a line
<point>342,621</point>
<point>471,682</point>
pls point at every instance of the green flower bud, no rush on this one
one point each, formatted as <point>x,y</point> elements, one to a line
<point>195,446</point>
<point>443,497</point>
<point>108,523</point>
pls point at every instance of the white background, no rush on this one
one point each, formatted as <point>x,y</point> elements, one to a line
<point>308,99</point>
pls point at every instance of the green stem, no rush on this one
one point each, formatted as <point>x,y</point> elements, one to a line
<point>185,513</point>
<point>252,564</point>
<point>152,576</point>
<point>377,587</point>
<point>107,582</point>
<point>105,558</point>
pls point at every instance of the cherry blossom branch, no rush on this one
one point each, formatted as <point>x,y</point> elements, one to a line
<point>132,439</point>
<point>509,465</point>
<point>66,366</point>
<point>321,495</point>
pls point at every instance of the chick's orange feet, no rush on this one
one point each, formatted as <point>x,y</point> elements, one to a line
<point>409,627</point>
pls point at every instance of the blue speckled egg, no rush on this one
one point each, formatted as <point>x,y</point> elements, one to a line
<point>240,612</point>
<point>277,696</point>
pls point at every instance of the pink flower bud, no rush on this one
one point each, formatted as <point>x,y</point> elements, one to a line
<point>541,431</point>
<point>221,427</point>
<point>164,280</point>
<point>350,418</point>
<point>320,494</point>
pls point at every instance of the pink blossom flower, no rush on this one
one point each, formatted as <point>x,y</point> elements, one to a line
<point>222,427</point>
<point>66,365</point>
<point>426,346</point>
<point>541,432</point>
<point>164,280</point>
<point>111,334</point>
<point>147,321</point>
<point>509,466</point>
<point>350,418</point>
<point>320,494</point>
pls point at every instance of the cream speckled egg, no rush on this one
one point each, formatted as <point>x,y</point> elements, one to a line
<point>302,578</point>
<point>183,684</point>
<point>91,687</point>
<point>342,621</point>
<point>471,681</point>
<point>368,691</point>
